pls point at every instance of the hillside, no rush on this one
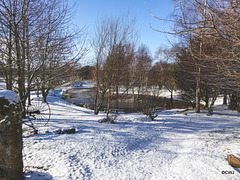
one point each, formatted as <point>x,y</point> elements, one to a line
<point>174,146</point>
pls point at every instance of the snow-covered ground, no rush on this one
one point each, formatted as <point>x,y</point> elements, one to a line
<point>174,146</point>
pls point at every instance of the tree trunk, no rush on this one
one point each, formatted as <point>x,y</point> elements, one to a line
<point>198,88</point>
<point>133,96</point>
<point>234,103</point>
<point>28,66</point>
<point>198,91</point>
<point>19,69</point>
<point>99,100</point>
<point>96,111</point>
<point>109,102</point>
<point>224,98</point>
<point>44,95</point>
<point>45,92</point>
<point>206,99</point>
<point>9,73</point>
<point>171,100</point>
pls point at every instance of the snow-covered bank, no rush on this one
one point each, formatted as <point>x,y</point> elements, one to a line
<point>174,146</point>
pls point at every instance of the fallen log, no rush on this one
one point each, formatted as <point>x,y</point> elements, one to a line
<point>233,160</point>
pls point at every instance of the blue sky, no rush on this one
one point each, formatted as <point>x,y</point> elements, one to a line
<point>88,11</point>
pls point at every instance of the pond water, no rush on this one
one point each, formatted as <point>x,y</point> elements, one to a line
<point>82,97</point>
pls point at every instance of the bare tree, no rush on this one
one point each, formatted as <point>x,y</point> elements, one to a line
<point>112,36</point>
<point>37,45</point>
<point>219,47</point>
<point>210,30</point>
<point>143,63</point>
<point>60,48</point>
<point>165,68</point>
<point>16,26</point>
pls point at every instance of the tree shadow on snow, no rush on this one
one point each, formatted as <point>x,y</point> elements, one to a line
<point>237,169</point>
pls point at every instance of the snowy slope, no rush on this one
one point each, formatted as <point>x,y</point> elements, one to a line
<point>174,146</point>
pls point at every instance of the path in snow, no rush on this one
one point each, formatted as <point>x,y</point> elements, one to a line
<point>174,146</point>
